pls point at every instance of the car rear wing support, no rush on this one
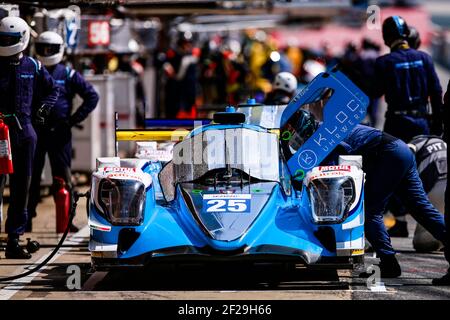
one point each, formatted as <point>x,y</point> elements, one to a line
<point>159,130</point>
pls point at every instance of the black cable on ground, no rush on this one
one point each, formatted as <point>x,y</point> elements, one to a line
<point>77,196</point>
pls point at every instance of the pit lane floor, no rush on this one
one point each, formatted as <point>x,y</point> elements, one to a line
<point>200,282</point>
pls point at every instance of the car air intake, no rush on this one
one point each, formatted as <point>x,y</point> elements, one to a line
<point>327,238</point>
<point>127,237</point>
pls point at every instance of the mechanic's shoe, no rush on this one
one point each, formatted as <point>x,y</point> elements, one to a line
<point>444,281</point>
<point>389,266</point>
<point>399,230</point>
<point>73,228</point>
<point>15,251</point>
<point>32,245</point>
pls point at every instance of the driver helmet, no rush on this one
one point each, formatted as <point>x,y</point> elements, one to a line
<point>49,48</point>
<point>395,29</point>
<point>297,132</point>
<point>285,81</point>
<point>306,124</point>
<point>14,36</point>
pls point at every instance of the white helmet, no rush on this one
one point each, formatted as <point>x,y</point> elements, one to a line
<point>285,81</point>
<point>49,48</point>
<point>14,36</point>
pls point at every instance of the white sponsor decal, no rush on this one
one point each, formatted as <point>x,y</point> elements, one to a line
<point>226,196</point>
<point>232,203</point>
<point>161,155</point>
<point>327,174</point>
<point>307,159</point>
<point>334,168</point>
<point>4,149</point>
<point>118,169</point>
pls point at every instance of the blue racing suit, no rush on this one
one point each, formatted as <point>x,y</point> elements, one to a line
<point>408,80</point>
<point>56,140</point>
<point>390,168</point>
<point>25,85</point>
<point>447,190</point>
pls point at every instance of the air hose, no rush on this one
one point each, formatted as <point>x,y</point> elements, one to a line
<point>76,197</point>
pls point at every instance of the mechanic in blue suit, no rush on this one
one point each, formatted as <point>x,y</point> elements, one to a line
<point>400,228</point>
<point>408,80</point>
<point>445,280</point>
<point>56,140</point>
<point>390,168</point>
<point>28,91</point>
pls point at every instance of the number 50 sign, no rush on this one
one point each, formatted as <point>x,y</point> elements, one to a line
<point>98,33</point>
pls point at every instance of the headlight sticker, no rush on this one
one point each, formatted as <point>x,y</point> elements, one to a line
<point>335,168</point>
<point>125,173</point>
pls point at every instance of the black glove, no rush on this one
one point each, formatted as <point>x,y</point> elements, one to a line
<point>43,115</point>
<point>72,122</point>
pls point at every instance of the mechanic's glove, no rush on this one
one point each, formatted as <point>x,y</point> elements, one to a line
<point>43,115</point>
<point>74,122</point>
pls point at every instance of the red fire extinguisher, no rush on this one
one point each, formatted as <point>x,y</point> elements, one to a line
<point>6,164</point>
<point>62,203</point>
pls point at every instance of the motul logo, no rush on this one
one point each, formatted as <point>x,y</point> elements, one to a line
<point>335,168</point>
<point>119,169</point>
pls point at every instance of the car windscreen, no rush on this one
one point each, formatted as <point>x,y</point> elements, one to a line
<point>255,153</point>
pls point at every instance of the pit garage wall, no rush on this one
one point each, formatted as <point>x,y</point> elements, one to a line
<point>150,87</point>
<point>96,138</point>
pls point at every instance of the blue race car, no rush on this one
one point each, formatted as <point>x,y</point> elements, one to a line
<point>243,188</point>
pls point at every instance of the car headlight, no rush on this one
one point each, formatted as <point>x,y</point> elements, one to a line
<point>122,201</point>
<point>331,198</point>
